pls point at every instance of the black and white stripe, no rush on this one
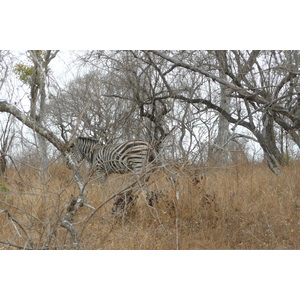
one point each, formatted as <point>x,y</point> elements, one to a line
<point>130,156</point>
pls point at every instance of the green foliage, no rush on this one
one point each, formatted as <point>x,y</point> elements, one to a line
<point>3,188</point>
<point>286,158</point>
<point>25,73</point>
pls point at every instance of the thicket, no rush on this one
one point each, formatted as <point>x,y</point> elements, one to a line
<point>240,206</point>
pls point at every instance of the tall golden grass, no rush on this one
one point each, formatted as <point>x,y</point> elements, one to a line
<point>240,206</point>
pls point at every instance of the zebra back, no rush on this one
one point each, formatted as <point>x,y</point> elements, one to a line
<point>133,153</point>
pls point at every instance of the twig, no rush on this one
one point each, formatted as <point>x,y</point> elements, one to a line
<point>18,223</point>
<point>15,245</point>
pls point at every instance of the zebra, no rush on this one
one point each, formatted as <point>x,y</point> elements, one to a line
<point>130,156</point>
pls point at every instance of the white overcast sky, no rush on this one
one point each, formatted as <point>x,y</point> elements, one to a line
<point>159,24</point>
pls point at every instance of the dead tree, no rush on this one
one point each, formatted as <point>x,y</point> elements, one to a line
<point>6,137</point>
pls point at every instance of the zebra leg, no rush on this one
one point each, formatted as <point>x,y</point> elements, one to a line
<point>119,205</point>
<point>123,202</point>
<point>101,176</point>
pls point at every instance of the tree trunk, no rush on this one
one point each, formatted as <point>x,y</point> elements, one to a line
<point>219,149</point>
<point>270,141</point>
<point>38,99</point>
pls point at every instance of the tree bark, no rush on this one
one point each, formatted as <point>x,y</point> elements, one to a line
<point>77,202</point>
<point>220,147</point>
<point>41,62</point>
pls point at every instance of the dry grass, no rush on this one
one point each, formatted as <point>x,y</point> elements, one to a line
<point>242,206</point>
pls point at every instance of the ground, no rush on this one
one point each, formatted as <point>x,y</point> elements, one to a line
<point>240,206</point>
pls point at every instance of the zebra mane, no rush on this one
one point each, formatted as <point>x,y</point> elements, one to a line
<point>85,148</point>
<point>92,140</point>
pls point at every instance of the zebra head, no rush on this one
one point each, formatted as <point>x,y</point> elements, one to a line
<point>83,148</point>
<point>76,152</point>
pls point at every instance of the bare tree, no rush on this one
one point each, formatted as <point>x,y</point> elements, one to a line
<point>6,138</point>
<point>127,78</point>
<point>6,134</point>
<point>262,95</point>
<point>36,76</point>
<point>219,150</point>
